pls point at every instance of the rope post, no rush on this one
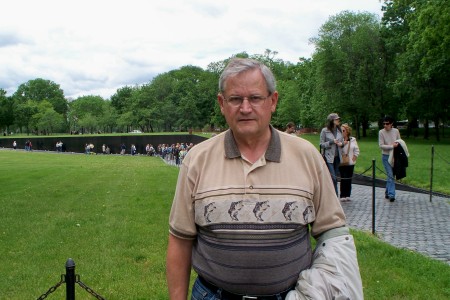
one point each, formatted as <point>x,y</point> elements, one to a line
<point>373,196</point>
<point>70,279</point>
<point>431,175</point>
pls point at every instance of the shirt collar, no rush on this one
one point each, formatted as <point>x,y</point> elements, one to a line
<point>273,152</point>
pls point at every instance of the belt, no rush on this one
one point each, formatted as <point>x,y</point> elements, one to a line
<point>225,295</point>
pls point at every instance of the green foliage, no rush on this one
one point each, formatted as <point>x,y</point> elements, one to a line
<point>6,110</point>
<point>23,112</point>
<point>120,100</point>
<point>47,120</point>
<point>348,69</point>
<point>418,51</point>
<point>40,89</point>
<point>363,68</point>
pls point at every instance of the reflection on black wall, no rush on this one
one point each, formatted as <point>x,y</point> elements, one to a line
<point>77,143</point>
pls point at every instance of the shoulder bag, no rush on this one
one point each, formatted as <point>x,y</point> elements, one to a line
<point>345,159</point>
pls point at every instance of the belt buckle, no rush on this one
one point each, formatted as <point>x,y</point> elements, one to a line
<point>249,297</point>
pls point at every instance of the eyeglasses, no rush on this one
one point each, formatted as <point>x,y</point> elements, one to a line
<point>386,123</point>
<point>254,100</point>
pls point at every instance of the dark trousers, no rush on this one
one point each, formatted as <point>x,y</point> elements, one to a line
<point>346,180</point>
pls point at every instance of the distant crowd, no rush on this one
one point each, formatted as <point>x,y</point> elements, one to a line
<point>172,153</point>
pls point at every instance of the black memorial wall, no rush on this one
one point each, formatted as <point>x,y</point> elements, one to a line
<point>77,143</point>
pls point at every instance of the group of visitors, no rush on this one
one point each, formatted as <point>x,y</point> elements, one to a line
<point>106,149</point>
<point>28,146</point>
<point>340,151</point>
<point>89,148</point>
<point>174,153</point>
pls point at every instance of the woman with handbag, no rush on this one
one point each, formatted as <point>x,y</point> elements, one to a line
<point>350,153</point>
<point>331,143</point>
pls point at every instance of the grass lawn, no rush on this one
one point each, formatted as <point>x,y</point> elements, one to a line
<point>110,214</point>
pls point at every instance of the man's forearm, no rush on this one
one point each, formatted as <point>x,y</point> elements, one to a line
<point>178,267</point>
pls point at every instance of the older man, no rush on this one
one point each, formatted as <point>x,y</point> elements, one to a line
<point>244,202</point>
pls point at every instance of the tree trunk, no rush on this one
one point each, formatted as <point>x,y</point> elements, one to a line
<point>426,135</point>
<point>436,128</point>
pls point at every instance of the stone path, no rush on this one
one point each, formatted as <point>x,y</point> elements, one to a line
<point>411,222</point>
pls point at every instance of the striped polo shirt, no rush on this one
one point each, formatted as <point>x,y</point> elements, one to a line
<point>250,221</point>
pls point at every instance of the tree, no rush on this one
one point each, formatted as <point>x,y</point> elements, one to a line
<point>6,110</point>
<point>89,123</point>
<point>121,99</point>
<point>349,68</point>
<point>425,64</point>
<point>108,121</point>
<point>394,33</point>
<point>296,91</point>
<point>84,110</point>
<point>23,112</point>
<point>46,120</point>
<point>39,90</point>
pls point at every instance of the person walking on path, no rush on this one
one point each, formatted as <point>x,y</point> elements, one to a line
<point>350,151</point>
<point>387,138</point>
<point>244,202</point>
<point>331,142</point>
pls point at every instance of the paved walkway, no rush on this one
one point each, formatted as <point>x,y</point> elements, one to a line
<point>411,222</point>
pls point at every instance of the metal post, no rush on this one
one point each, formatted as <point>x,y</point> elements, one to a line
<point>431,176</point>
<point>373,196</point>
<point>70,279</point>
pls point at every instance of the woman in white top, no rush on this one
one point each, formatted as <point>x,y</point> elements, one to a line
<point>352,150</point>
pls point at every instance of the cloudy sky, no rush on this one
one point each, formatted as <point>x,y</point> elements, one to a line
<point>94,47</point>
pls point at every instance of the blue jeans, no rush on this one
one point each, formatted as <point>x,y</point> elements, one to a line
<point>201,292</point>
<point>334,168</point>
<point>390,182</point>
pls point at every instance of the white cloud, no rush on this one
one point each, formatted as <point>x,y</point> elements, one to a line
<point>97,46</point>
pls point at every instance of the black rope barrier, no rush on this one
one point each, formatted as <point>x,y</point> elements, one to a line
<point>362,179</point>
<point>441,157</point>
<point>70,279</point>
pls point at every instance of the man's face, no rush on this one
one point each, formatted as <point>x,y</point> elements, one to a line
<point>387,125</point>
<point>247,120</point>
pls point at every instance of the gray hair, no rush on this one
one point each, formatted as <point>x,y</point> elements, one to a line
<point>239,65</point>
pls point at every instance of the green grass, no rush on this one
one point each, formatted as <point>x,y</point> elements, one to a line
<point>110,214</point>
<point>419,170</point>
<point>391,273</point>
